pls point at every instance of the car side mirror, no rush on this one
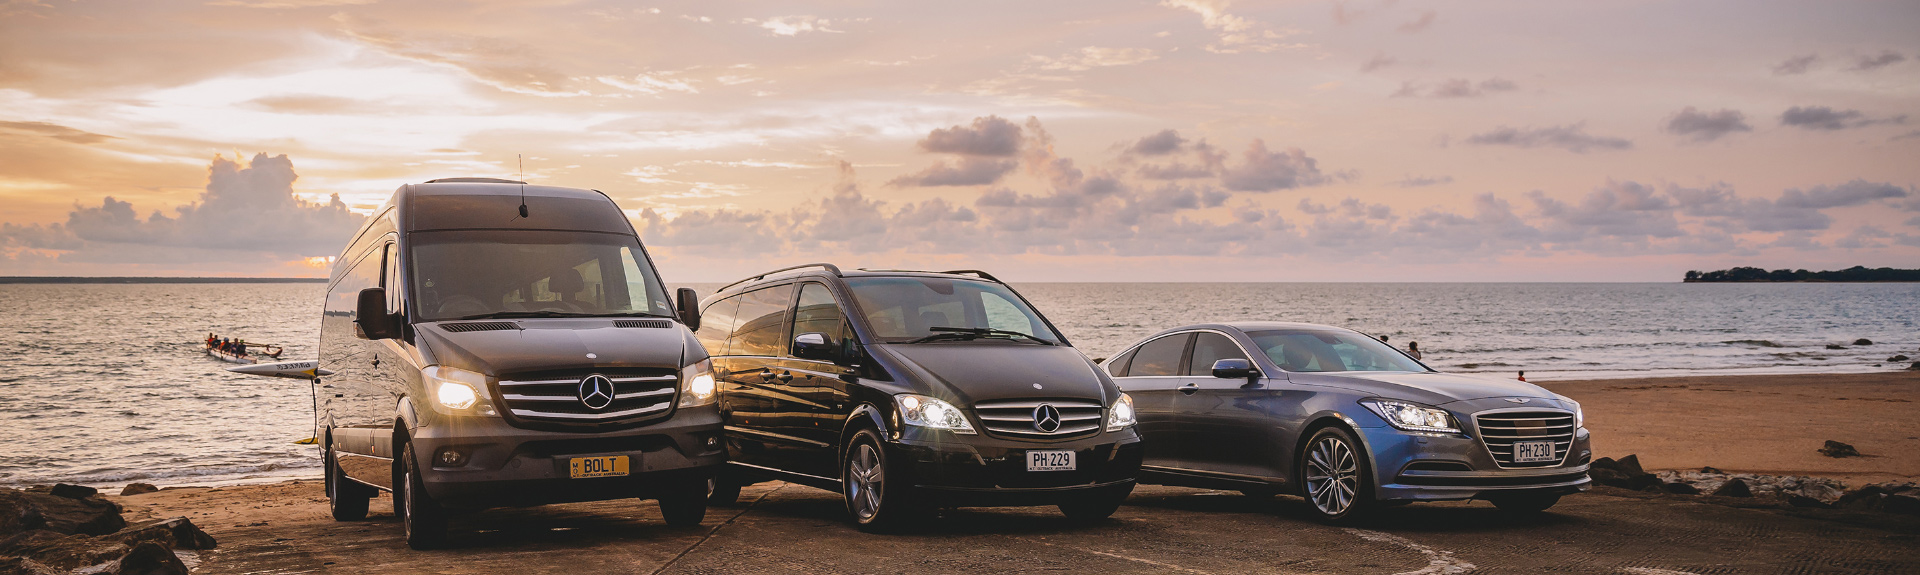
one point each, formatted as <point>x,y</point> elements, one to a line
<point>371,318</point>
<point>1235,368</point>
<point>813,345</point>
<point>687,304</point>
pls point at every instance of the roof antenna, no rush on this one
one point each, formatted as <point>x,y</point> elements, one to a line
<point>523,184</point>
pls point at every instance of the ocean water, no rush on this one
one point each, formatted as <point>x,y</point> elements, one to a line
<point>108,384</point>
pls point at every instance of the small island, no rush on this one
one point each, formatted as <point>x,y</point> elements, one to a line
<point>1852,274</point>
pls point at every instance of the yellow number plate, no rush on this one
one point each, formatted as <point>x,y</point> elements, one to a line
<point>584,467</point>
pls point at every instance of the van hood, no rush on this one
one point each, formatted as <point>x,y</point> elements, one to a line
<point>1432,388</point>
<point>973,372</point>
<point>549,344</point>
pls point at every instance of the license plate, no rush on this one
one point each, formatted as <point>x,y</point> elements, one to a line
<point>1050,461</point>
<point>584,467</point>
<point>1533,451</point>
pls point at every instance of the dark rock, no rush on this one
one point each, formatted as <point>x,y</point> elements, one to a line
<point>1838,449</point>
<point>1864,499</point>
<point>1712,470</point>
<point>25,566</point>
<point>1901,503</point>
<point>148,559</point>
<point>91,516</point>
<point>1630,465</point>
<point>65,552</point>
<point>1733,488</point>
<point>1609,477</point>
<point>1835,346</point>
<point>1678,488</point>
<point>17,513</point>
<point>71,491</point>
<point>1898,358</point>
<point>1605,463</point>
<point>1645,482</point>
<point>1914,367</point>
<point>1804,501</point>
<point>138,488</point>
<point>175,533</point>
<point>1863,341</point>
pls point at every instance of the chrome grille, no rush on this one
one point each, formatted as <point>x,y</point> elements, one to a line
<point>554,397</point>
<point>1014,418</point>
<point>1500,429</point>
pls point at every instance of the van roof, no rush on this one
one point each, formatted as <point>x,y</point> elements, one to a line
<point>830,270</point>
<point>487,203</point>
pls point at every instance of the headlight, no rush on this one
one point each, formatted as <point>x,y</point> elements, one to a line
<point>1412,417</point>
<point>1121,414</point>
<point>696,384</point>
<point>931,413</point>
<point>1579,415</point>
<point>458,390</point>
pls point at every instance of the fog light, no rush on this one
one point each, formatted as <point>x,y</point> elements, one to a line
<point>450,457</point>
<point>713,442</point>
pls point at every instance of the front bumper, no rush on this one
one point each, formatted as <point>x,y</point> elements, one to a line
<point>510,466</point>
<point>1412,466</point>
<point>979,471</point>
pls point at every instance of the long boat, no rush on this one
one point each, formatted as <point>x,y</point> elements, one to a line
<point>267,351</point>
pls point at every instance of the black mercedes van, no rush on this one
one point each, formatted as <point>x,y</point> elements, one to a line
<point>912,391</point>
<point>493,343</point>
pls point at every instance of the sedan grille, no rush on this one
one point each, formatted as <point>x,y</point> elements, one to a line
<point>1016,418</point>
<point>1501,429</point>
<point>638,395</point>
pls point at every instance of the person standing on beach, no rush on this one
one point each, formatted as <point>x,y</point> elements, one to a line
<point>1413,349</point>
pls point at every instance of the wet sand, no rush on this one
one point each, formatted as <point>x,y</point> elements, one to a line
<point>1771,424</point>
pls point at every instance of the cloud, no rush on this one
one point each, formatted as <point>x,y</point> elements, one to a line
<point>969,171</point>
<point>1419,24</point>
<point>1235,34</point>
<point>55,131</point>
<point>1796,65</point>
<point>1907,136</point>
<point>796,25</point>
<point>987,136</point>
<point>1876,61</point>
<point>1378,61</point>
<point>1423,181</point>
<point>1092,57</point>
<point>1265,171</point>
<point>308,104</point>
<point>1571,137</point>
<point>1455,88</point>
<point>1159,144</point>
<point>1700,126</point>
<point>1825,118</point>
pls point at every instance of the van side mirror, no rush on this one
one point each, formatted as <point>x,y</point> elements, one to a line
<point>371,318</point>
<point>1235,368</point>
<point>813,345</point>
<point>686,304</point>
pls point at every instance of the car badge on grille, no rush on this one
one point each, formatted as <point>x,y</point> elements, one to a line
<point>596,392</point>
<point>1046,418</point>
<point>1518,399</point>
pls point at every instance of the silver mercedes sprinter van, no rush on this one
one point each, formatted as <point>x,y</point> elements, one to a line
<point>493,343</point>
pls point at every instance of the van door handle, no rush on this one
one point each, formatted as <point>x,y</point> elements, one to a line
<point>1189,389</point>
<point>786,376</point>
<point>766,374</point>
<point>376,362</point>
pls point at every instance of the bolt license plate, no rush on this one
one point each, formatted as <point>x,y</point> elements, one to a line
<point>1050,461</point>
<point>584,467</point>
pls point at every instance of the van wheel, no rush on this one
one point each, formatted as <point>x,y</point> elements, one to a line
<point>722,492</point>
<point>1525,504</point>
<point>347,498</point>
<point>877,494</point>
<point>425,521</point>
<point>1095,506</point>
<point>684,503</point>
<point>1336,476</point>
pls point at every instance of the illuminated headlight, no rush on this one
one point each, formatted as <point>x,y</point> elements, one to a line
<point>1413,417</point>
<point>457,390</point>
<point>1121,414</point>
<point>1579,415</point>
<point>931,413</point>
<point>697,384</point>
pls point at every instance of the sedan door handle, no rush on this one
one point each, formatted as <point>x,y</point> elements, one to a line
<point>1189,388</point>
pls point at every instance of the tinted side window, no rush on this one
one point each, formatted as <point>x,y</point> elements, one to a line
<point>762,319</point>
<point>716,324</point>
<point>1118,367</point>
<point>1211,347</point>
<point>1159,357</point>
<point>817,312</point>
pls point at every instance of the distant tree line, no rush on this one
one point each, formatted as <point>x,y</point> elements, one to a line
<point>1852,274</point>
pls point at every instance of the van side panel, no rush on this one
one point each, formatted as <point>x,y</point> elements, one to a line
<point>348,413</point>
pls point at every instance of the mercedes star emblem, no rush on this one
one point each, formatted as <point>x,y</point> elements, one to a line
<point>596,392</point>
<point>1046,418</point>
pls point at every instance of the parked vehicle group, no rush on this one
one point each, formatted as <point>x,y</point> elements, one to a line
<point>493,343</point>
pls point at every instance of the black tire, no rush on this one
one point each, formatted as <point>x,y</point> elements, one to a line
<point>1525,503</point>
<point>722,491</point>
<point>424,520</point>
<point>1336,476</point>
<point>348,499</point>
<point>684,503</point>
<point>1095,506</point>
<point>876,490</point>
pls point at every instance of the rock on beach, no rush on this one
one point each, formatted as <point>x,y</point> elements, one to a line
<point>72,529</point>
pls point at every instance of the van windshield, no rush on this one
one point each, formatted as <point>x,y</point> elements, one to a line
<point>902,309</point>
<point>1310,350</point>
<point>472,274</point>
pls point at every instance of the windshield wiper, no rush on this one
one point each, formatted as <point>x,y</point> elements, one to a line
<point>968,333</point>
<point>518,314</point>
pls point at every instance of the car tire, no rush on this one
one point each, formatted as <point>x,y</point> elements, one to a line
<point>1526,504</point>
<point>875,489</point>
<point>346,498</point>
<point>722,491</point>
<point>1095,506</point>
<point>425,522</point>
<point>684,503</point>
<point>1336,476</point>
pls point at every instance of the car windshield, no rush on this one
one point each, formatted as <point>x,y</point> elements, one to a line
<point>903,309</point>
<point>523,273</point>
<point>1308,350</point>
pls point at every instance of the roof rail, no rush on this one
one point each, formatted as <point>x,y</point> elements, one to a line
<point>981,274</point>
<point>474,181</point>
<point>829,267</point>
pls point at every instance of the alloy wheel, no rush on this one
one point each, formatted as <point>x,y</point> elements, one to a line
<point>866,481</point>
<point>1333,478</point>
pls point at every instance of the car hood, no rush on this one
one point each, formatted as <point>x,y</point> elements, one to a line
<point>986,371</point>
<point>550,344</point>
<point>1432,388</point>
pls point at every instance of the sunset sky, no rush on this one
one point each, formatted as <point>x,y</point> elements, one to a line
<point>1133,140</point>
